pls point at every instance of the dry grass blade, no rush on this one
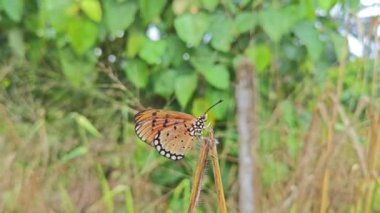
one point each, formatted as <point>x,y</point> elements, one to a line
<point>217,174</point>
<point>325,185</point>
<point>373,153</point>
<point>197,180</point>
<point>209,144</point>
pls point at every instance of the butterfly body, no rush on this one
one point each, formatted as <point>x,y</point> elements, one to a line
<point>171,133</point>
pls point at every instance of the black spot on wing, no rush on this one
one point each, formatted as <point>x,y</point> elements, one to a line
<point>154,122</point>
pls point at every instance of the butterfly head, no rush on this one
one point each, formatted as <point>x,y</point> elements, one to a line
<point>199,124</point>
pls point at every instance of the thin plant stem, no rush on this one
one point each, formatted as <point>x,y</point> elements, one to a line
<point>208,145</point>
<point>217,174</point>
<point>199,172</point>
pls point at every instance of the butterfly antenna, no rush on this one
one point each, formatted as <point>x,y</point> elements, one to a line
<point>220,101</point>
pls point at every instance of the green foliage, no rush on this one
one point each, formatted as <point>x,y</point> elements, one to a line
<point>13,8</point>
<point>221,30</point>
<point>78,70</point>
<point>135,41</point>
<point>92,9</point>
<point>184,88</point>
<point>277,22</point>
<point>153,51</point>
<point>163,85</point>
<point>75,153</point>
<point>16,42</point>
<point>210,4</point>
<point>137,72</point>
<point>118,15</point>
<point>217,75</point>
<point>55,70</point>
<point>191,28</point>
<point>260,55</point>
<point>245,22</point>
<point>150,9</point>
<point>306,32</point>
<point>82,34</point>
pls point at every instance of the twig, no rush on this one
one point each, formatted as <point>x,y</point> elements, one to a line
<point>217,174</point>
<point>209,144</point>
<point>119,85</point>
<point>197,180</point>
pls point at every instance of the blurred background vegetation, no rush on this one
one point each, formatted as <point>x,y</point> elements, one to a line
<point>74,72</point>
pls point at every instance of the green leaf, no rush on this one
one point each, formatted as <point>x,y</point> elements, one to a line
<point>245,22</point>
<point>222,34</point>
<point>57,14</point>
<point>340,44</point>
<point>79,71</point>
<point>86,124</point>
<point>214,95</point>
<point>326,5</point>
<point>200,105</point>
<point>150,9</point>
<point>134,43</point>
<point>82,34</point>
<point>174,51</point>
<point>217,75</point>
<point>92,9</point>
<point>210,5</point>
<point>75,153</point>
<point>5,83</point>
<point>278,22</point>
<point>204,61</point>
<point>231,7</point>
<point>203,57</point>
<point>119,16</point>
<point>152,51</point>
<point>307,33</point>
<point>181,196</point>
<point>191,28</point>
<point>163,84</point>
<point>16,42</point>
<point>185,86</point>
<point>137,72</point>
<point>14,9</point>
<point>260,55</point>
<point>292,52</point>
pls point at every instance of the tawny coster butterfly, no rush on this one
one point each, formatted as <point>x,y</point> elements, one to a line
<point>171,133</point>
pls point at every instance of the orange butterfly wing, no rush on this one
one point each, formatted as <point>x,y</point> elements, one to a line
<point>168,131</point>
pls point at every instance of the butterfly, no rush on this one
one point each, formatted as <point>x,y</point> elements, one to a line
<point>171,133</point>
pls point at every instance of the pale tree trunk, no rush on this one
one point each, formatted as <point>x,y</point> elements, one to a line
<point>247,102</point>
